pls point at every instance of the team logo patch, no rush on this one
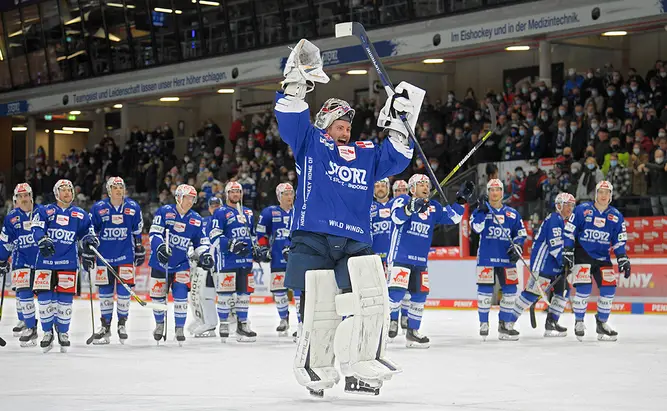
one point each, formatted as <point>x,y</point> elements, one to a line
<point>385,212</point>
<point>27,225</point>
<point>588,212</point>
<point>364,144</point>
<point>275,213</point>
<point>347,153</point>
<point>399,277</point>
<point>510,214</point>
<point>129,211</point>
<point>241,218</point>
<point>229,215</point>
<point>14,220</point>
<point>62,220</point>
<point>117,219</point>
<point>50,211</point>
<point>500,219</point>
<point>588,219</point>
<point>599,222</point>
<point>248,212</point>
<point>103,211</point>
<point>286,220</point>
<point>612,218</point>
<point>195,222</point>
<point>179,227</point>
<point>170,215</point>
<point>77,214</point>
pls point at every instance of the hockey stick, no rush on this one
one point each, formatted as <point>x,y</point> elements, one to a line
<point>239,208</point>
<point>492,112</point>
<point>357,30</point>
<point>2,303</point>
<point>92,309</point>
<point>532,275</point>
<point>533,320</point>
<point>151,305</point>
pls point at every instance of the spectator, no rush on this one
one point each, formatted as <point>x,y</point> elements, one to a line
<point>620,178</point>
<point>602,147</point>
<point>534,192</point>
<point>518,189</point>
<point>621,153</point>
<point>590,176</point>
<point>639,183</point>
<point>656,174</point>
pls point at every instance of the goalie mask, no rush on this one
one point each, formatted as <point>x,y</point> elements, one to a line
<point>332,110</point>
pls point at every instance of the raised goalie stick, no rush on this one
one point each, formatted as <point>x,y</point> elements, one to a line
<point>357,30</point>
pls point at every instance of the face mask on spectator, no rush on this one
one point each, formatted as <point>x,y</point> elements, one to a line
<point>522,132</point>
<point>590,166</point>
<point>449,131</point>
<point>594,92</point>
<point>513,133</point>
<point>499,97</point>
<point>659,160</point>
<point>573,127</point>
<point>633,88</point>
<point>624,90</point>
<point>610,126</point>
<point>613,163</point>
<point>530,120</point>
<point>544,117</point>
<point>661,134</point>
<point>519,174</point>
<point>450,97</point>
<point>610,93</point>
<point>632,109</point>
<point>595,125</point>
<point>589,75</point>
<point>542,88</point>
<point>554,90</point>
<point>663,74</point>
<point>460,116</point>
<point>533,97</point>
<point>578,113</point>
<point>458,136</point>
<point>545,106</point>
<point>636,150</point>
<point>574,170</point>
<point>478,117</point>
<point>536,131</point>
<point>561,113</point>
<point>561,130</point>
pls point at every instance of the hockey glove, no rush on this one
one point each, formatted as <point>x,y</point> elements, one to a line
<point>623,265</point>
<point>205,261</point>
<point>465,192</point>
<point>4,268</point>
<point>262,254</point>
<point>481,203</point>
<point>46,247</point>
<point>416,205</point>
<point>285,252</point>
<point>88,261</point>
<point>163,254</point>
<point>139,254</point>
<point>568,259</point>
<point>514,253</point>
<point>89,241</point>
<point>238,247</point>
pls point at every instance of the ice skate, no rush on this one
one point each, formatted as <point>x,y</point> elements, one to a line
<point>393,329</point>
<point>18,328</point>
<point>297,333</point>
<point>484,330</point>
<point>201,333</point>
<point>283,327</point>
<point>506,331</point>
<point>224,331</point>
<point>28,337</point>
<point>579,329</point>
<point>404,324</point>
<point>354,385</point>
<point>158,333</point>
<point>552,328</point>
<point>244,333</point>
<point>63,340</point>
<point>180,336</point>
<point>315,393</point>
<point>47,341</point>
<point>604,331</point>
<point>413,339</point>
<point>103,335</point>
<point>122,331</point>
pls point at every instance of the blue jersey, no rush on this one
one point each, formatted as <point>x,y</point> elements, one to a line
<point>335,186</point>
<point>596,232</point>
<point>184,231</point>
<point>494,239</point>
<point>411,236</point>
<point>381,228</point>
<point>64,226</point>
<point>228,224</point>
<point>274,227</point>
<point>547,254</point>
<point>117,229</point>
<point>16,239</point>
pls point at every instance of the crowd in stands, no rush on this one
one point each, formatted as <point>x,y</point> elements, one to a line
<point>598,124</point>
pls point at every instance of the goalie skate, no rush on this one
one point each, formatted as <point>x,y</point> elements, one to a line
<point>354,385</point>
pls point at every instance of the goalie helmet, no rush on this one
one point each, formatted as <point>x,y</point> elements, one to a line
<point>606,185</point>
<point>114,182</point>
<point>22,188</point>
<point>399,185</point>
<point>332,110</point>
<point>494,183</point>
<point>184,190</point>
<point>283,187</point>
<point>416,179</point>
<point>562,199</point>
<point>62,184</point>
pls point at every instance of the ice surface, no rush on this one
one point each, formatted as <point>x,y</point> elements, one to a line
<point>458,372</point>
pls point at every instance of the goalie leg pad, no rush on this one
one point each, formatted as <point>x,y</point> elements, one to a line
<point>362,337</point>
<point>314,361</point>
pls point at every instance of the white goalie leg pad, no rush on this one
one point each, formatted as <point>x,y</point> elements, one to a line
<point>362,337</point>
<point>314,361</point>
<point>196,297</point>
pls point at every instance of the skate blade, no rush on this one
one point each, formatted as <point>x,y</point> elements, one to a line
<point>63,349</point>
<point>502,337</point>
<point>484,337</point>
<point>580,338</point>
<point>101,342</point>
<point>122,341</point>
<point>245,339</point>
<point>414,344</point>
<point>555,334</point>
<point>367,393</point>
<point>604,337</point>
<point>206,334</point>
<point>316,393</point>
<point>283,333</point>
<point>31,343</point>
<point>47,349</point>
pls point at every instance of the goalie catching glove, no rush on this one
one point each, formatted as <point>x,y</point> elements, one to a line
<point>303,69</point>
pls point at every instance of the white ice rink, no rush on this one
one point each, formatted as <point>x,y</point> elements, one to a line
<point>458,372</point>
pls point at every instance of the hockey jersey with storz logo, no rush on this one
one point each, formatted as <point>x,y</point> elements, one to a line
<point>16,239</point>
<point>228,224</point>
<point>496,235</point>
<point>117,229</point>
<point>596,231</point>
<point>64,227</point>
<point>381,228</point>
<point>547,254</point>
<point>274,227</point>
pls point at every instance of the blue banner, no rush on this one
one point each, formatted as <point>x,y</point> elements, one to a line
<point>351,54</point>
<point>13,108</point>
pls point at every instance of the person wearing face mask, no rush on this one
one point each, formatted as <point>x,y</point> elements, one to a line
<point>518,189</point>
<point>650,123</point>
<point>622,155</point>
<point>590,176</point>
<point>595,99</point>
<point>654,72</point>
<point>578,139</point>
<point>544,121</point>
<point>656,177</point>
<point>620,177</point>
<point>638,158</point>
<point>561,138</point>
<point>572,81</point>
<point>645,142</point>
<point>602,145</point>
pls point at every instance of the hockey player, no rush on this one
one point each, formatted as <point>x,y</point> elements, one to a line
<point>415,217</point>
<point>202,288</point>
<point>117,222</point>
<point>273,239</point>
<point>330,248</point>
<point>56,228</point>
<point>547,265</point>
<point>381,220</point>
<point>231,234</point>
<point>399,188</point>
<point>501,237</point>
<point>175,227</point>
<point>592,230</point>
<point>16,240</point>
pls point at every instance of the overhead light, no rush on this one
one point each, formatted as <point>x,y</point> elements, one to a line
<point>1,56</point>
<point>63,131</point>
<point>226,91</point>
<point>77,129</point>
<point>129,6</point>
<point>161,10</point>
<point>118,105</point>
<point>517,48</point>
<point>433,61</point>
<point>615,33</point>
<point>20,128</point>
<point>165,99</point>
<point>46,131</point>
<point>78,53</point>
<point>14,34</point>
<point>357,72</point>
<point>207,3</point>
<point>75,112</point>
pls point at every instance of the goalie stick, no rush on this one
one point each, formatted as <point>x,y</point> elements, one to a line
<point>92,309</point>
<point>2,302</point>
<point>357,29</point>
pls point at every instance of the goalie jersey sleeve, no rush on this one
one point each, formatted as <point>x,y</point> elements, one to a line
<point>184,231</point>
<point>117,229</point>
<point>335,184</point>
<point>495,235</point>
<point>596,232</point>
<point>547,254</point>
<point>273,229</point>
<point>64,227</point>
<point>381,228</point>
<point>412,235</point>
<point>16,240</point>
<point>228,224</point>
